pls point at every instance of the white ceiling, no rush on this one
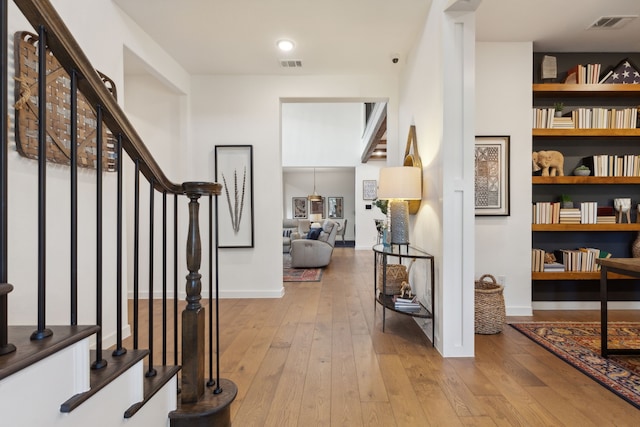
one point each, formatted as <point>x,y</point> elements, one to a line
<point>358,36</point>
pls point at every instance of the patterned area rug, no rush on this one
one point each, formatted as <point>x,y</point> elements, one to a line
<point>579,345</point>
<point>299,274</point>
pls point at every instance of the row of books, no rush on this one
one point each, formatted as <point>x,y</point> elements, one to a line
<point>587,213</point>
<point>585,74</point>
<point>614,164</point>
<point>576,260</point>
<point>587,118</point>
<point>605,118</point>
<point>406,304</point>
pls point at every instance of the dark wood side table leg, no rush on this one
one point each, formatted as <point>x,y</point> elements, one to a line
<point>603,311</point>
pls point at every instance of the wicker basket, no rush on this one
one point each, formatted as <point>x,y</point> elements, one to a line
<point>396,274</point>
<point>489,306</point>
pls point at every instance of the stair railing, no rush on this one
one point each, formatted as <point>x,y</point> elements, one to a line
<point>54,36</point>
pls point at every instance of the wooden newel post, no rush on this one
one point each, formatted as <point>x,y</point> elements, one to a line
<point>193,314</point>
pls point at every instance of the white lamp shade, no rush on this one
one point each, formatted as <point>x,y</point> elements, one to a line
<point>401,182</point>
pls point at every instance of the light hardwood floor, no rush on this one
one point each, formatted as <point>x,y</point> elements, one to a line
<point>318,357</point>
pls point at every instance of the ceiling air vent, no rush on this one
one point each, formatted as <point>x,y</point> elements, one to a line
<point>612,22</point>
<point>291,63</point>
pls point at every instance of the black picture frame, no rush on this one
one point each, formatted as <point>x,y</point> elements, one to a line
<point>492,192</point>
<point>234,170</point>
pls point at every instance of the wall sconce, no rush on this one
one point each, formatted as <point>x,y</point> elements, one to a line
<point>398,185</point>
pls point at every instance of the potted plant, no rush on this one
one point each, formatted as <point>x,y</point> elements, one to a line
<point>582,170</point>
<point>558,106</point>
<point>566,202</point>
<point>382,205</point>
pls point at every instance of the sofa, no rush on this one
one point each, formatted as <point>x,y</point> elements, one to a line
<point>315,250</point>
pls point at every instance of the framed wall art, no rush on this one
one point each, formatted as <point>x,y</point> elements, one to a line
<point>492,176</point>
<point>369,189</point>
<point>316,207</point>
<point>335,207</point>
<point>299,207</point>
<point>234,170</point>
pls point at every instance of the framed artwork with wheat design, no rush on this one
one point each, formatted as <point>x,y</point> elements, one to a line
<point>234,170</point>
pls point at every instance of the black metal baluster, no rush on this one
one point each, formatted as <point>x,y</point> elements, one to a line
<point>164,278</point>
<point>119,350</point>
<point>136,251</point>
<point>73,163</point>
<point>42,331</point>
<point>151,372</point>
<point>211,382</point>
<point>175,279</point>
<point>218,389</point>
<point>5,346</point>
<point>99,363</point>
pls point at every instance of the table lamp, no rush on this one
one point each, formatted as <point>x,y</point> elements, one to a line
<point>399,184</point>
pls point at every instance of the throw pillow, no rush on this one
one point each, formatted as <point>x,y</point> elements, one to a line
<point>328,226</point>
<point>314,233</point>
<point>287,232</point>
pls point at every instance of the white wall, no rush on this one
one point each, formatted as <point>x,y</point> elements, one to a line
<point>436,91</point>
<point>321,134</point>
<point>503,105</point>
<point>246,110</point>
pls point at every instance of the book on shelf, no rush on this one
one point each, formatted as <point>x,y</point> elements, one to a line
<point>537,259</point>
<point>553,267</point>
<point>613,164</point>
<point>584,74</point>
<point>406,303</point>
<point>569,216</point>
<point>582,259</point>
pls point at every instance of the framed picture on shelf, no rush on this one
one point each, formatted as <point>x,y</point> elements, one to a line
<point>234,170</point>
<point>492,176</point>
<point>369,189</point>
<point>335,207</point>
<point>299,207</point>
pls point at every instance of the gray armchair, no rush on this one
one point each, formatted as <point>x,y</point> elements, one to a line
<point>310,253</point>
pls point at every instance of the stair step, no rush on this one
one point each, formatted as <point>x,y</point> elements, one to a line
<point>100,378</point>
<point>29,352</point>
<point>153,385</point>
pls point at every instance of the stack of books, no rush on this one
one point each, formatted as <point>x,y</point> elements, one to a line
<point>563,123</point>
<point>606,215</point>
<point>406,304</point>
<point>584,74</point>
<point>570,216</point>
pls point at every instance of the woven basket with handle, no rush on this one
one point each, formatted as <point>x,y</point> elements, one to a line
<point>396,274</point>
<point>489,305</point>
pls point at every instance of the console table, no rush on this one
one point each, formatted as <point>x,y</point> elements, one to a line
<point>381,254</point>
<point>627,267</point>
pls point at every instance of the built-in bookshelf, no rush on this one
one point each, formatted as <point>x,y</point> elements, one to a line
<point>580,146</point>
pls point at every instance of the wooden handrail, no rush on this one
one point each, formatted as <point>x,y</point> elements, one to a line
<point>68,52</point>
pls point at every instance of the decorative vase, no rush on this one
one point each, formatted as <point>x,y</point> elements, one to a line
<point>635,247</point>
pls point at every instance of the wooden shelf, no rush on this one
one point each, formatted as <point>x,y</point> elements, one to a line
<point>629,133</point>
<point>576,90</point>
<point>574,275</point>
<point>546,180</point>
<point>585,227</point>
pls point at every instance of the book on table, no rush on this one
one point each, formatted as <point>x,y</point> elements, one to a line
<point>406,303</point>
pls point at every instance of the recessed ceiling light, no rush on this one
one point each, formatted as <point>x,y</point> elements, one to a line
<point>285,45</point>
